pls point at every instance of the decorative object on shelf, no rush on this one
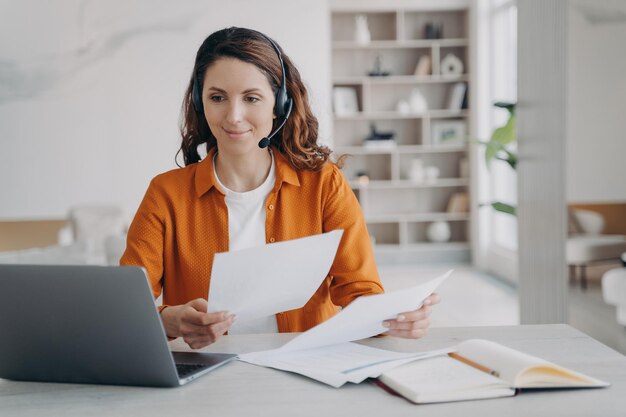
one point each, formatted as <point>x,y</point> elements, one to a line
<point>447,132</point>
<point>345,101</point>
<point>378,139</point>
<point>458,203</point>
<point>423,66</point>
<point>362,177</point>
<point>417,101</point>
<point>432,173</point>
<point>375,134</point>
<point>378,68</point>
<point>416,170</point>
<point>403,107</point>
<point>419,173</point>
<point>362,34</point>
<point>438,231</point>
<point>433,30</point>
<point>457,96</point>
<point>451,65</point>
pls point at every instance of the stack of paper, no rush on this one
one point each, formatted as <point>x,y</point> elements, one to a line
<point>249,284</point>
<point>336,364</point>
<point>324,352</point>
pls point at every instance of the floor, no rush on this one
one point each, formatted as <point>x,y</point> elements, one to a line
<point>590,314</point>
<point>468,297</point>
<point>475,298</point>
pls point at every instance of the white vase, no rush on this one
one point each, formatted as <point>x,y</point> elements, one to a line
<point>431,173</point>
<point>438,231</point>
<point>361,31</point>
<point>403,107</point>
<point>416,170</point>
<point>417,101</point>
<point>451,65</point>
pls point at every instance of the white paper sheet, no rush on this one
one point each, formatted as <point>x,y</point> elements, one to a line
<point>265,280</point>
<point>364,316</point>
<point>337,364</point>
<point>374,371</point>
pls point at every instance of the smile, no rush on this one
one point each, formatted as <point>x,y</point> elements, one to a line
<point>235,133</point>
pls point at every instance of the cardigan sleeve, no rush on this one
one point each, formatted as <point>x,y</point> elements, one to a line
<point>353,272</point>
<point>145,241</point>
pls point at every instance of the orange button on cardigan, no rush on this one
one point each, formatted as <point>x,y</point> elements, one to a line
<point>183,221</point>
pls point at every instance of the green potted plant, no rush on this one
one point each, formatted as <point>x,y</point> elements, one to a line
<point>499,146</point>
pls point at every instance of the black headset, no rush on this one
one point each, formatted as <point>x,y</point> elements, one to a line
<point>282,107</point>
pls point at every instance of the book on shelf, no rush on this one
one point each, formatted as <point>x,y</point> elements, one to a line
<point>479,369</point>
<point>345,101</point>
<point>457,96</point>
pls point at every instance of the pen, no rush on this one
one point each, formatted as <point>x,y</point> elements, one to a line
<point>474,364</point>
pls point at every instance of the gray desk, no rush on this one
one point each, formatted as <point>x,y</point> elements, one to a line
<point>240,389</point>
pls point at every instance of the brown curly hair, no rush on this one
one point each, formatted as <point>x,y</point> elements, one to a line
<point>297,140</point>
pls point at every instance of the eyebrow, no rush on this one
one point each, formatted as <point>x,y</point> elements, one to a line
<point>249,90</point>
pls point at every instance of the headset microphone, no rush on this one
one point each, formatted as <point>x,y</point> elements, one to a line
<point>264,143</point>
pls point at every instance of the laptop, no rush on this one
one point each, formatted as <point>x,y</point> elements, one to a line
<point>89,324</point>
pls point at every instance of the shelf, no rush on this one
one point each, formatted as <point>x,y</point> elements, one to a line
<point>431,245</point>
<point>400,79</point>
<point>394,184</point>
<point>418,149</point>
<point>398,211</point>
<point>426,246</point>
<point>401,44</point>
<point>394,115</point>
<point>415,217</point>
<point>402,149</point>
<point>362,150</point>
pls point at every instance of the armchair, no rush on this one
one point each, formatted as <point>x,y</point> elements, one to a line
<point>614,290</point>
<point>586,245</point>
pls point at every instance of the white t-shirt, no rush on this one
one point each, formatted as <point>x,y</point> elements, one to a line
<point>246,228</point>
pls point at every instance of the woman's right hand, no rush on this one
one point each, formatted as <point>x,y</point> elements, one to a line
<point>192,322</point>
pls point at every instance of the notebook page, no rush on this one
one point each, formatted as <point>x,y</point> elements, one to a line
<point>522,370</point>
<point>509,363</point>
<point>443,379</point>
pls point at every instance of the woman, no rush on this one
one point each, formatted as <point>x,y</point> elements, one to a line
<point>244,95</point>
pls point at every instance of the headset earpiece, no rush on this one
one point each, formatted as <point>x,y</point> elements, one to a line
<point>196,97</point>
<point>282,102</point>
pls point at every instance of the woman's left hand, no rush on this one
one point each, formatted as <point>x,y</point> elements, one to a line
<point>412,324</point>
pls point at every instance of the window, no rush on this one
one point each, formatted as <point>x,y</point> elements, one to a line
<point>502,180</point>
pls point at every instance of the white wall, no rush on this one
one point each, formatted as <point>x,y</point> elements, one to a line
<point>397,4</point>
<point>90,92</point>
<point>596,144</point>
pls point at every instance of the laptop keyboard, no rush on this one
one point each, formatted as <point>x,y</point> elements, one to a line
<point>186,369</point>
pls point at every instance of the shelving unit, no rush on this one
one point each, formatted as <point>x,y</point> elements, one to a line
<point>399,207</point>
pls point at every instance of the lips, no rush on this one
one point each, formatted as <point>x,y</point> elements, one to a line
<point>235,133</point>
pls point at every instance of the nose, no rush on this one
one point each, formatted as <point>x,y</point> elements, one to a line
<point>235,112</point>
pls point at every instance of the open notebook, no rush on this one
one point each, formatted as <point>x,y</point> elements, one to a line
<point>480,369</point>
